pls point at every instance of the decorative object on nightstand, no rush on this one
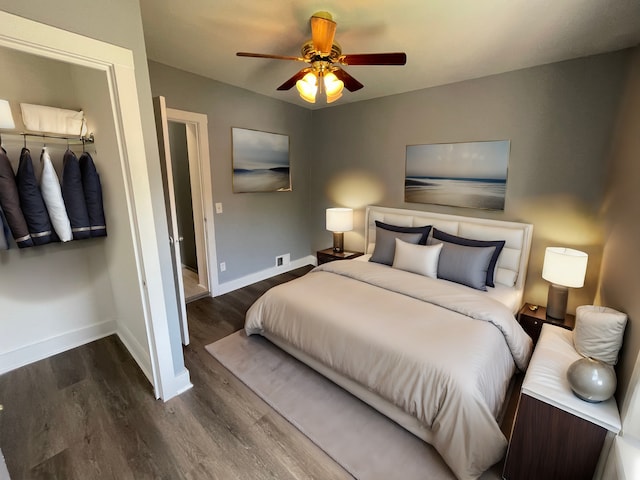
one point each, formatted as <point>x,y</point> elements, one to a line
<point>339,220</point>
<point>563,267</point>
<point>597,337</point>
<point>592,380</point>
<point>328,255</point>
<point>532,317</point>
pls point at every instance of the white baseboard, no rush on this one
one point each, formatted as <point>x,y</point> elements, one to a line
<point>263,275</point>
<point>139,353</point>
<point>42,349</point>
<point>171,387</point>
<point>179,384</point>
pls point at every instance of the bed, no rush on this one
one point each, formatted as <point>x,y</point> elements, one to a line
<point>434,355</point>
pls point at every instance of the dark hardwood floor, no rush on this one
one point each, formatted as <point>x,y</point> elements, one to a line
<point>89,413</point>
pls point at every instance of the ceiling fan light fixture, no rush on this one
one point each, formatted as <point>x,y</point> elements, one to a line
<point>308,87</point>
<point>333,98</point>
<point>333,86</point>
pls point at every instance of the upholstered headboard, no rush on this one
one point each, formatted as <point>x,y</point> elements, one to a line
<point>513,260</point>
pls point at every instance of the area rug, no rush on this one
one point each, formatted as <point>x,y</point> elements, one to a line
<point>4,473</point>
<point>365,443</point>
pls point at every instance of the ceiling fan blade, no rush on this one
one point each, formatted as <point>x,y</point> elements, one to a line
<point>266,55</point>
<point>323,30</point>
<point>350,83</point>
<point>397,58</point>
<point>292,81</point>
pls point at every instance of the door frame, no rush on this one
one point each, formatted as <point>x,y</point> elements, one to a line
<point>201,192</point>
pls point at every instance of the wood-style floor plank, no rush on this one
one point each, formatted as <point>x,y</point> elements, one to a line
<point>89,413</point>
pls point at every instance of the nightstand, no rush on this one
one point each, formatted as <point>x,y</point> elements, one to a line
<point>555,435</point>
<point>532,321</point>
<point>328,255</point>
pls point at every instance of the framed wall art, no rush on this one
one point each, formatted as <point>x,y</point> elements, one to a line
<point>472,174</point>
<point>260,161</point>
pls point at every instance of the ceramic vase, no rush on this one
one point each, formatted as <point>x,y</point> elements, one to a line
<point>592,380</point>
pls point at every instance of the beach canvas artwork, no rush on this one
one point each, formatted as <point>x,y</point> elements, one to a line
<point>472,174</point>
<point>260,161</point>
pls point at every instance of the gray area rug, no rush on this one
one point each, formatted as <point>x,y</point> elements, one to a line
<point>4,473</point>
<point>365,443</point>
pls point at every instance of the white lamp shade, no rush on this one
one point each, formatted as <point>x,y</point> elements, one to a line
<point>339,219</point>
<point>564,266</point>
<point>6,119</point>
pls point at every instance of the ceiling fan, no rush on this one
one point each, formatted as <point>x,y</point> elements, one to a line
<point>324,76</point>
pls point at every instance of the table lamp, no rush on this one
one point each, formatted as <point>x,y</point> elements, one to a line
<point>339,220</point>
<point>564,268</point>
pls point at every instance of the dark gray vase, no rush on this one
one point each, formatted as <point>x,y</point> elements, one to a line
<point>592,380</point>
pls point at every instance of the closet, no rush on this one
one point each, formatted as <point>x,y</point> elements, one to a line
<point>60,295</point>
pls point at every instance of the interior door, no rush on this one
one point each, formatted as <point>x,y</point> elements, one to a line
<point>162,128</point>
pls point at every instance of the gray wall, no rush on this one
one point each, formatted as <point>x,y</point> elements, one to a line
<point>620,279</point>
<point>559,118</point>
<point>254,228</point>
<point>119,23</point>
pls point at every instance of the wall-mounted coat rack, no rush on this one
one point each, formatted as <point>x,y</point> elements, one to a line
<point>70,140</point>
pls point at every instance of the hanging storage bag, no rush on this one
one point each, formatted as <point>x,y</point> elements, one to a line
<point>10,201</point>
<point>73,195</point>
<point>31,202</point>
<point>93,195</point>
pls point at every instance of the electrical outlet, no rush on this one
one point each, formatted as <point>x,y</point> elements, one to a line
<point>223,266</point>
<point>283,260</point>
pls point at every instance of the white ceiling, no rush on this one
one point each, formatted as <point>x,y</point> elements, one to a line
<point>445,40</point>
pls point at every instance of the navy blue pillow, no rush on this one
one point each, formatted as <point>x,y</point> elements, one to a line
<point>395,228</point>
<point>469,242</point>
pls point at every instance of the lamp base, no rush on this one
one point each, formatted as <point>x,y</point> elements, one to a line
<point>557,301</point>
<point>338,242</point>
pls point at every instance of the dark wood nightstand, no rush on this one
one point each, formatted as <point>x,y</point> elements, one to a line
<point>532,321</point>
<point>555,435</point>
<point>328,255</point>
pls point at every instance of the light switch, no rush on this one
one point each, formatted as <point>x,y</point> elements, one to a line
<point>218,207</point>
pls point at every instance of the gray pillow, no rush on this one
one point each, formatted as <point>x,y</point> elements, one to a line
<point>385,248</point>
<point>465,265</point>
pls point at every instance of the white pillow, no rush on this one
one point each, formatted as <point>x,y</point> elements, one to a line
<point>598,332</point>
<point>420,259</point>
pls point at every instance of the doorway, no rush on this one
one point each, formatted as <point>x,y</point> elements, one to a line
<point>192,245</point>
<point>189,191</point>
